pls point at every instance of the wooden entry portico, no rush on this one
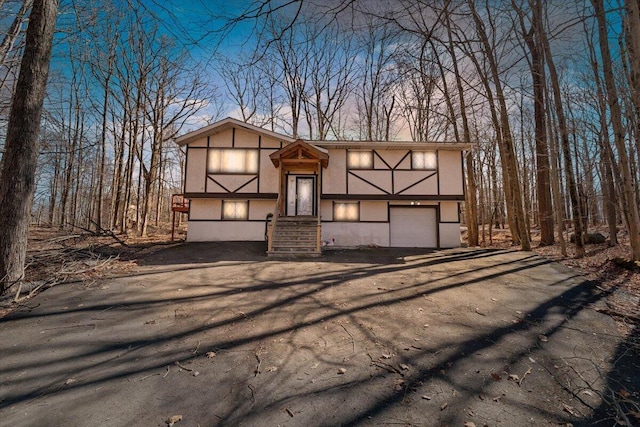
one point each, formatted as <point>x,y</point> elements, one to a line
<point>300,165</point>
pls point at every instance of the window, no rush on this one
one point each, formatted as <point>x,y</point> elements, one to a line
<point>232,161</point>
<point>346,211</point>
<point>360,160</point>
<point>425,160</point>
<point>235,210</point>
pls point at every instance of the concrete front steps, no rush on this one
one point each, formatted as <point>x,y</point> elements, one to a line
<point>295,236</point>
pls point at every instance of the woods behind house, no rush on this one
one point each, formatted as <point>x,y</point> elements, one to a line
<point>549,93</point>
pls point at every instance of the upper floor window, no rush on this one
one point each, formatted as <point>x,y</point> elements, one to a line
<point>360,160</point>
<point>232,160</point>
<point>424,160</point>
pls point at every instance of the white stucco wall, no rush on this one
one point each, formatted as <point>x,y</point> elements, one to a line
<point>333,177</point>
<point>326,210</point>
<point>413,183</point>
<point>449,212</point>
<point>360,182</point>
<point>449,235</point>
<point>258,209</point>
<point>246,139</point>
<point>450,171</point>
<point>269,175</point>
<point>222,139</point>
<point>212,231</point>
<point>202,142</point>
<point>374,211</point>
<point>196,170</point>
<point>351,234</point>
<point>200,209</point>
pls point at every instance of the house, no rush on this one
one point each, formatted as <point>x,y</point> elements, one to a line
<point>248,183</point>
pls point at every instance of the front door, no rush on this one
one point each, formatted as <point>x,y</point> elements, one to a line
<point>300,195</point>
<point>304,196</point>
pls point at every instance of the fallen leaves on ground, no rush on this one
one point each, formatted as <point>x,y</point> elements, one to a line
<point>173,419</point>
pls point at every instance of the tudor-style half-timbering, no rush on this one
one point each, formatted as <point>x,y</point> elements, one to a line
<point>356,193</point>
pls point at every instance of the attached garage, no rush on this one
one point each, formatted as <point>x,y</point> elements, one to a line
<point>413,227</point>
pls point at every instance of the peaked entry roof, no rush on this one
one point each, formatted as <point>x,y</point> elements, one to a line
<point>300,152</point>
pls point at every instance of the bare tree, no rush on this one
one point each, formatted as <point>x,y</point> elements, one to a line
<point>511,176</point>
<point>606,152</point>
<point>288,50</point>
<point>565,146</point>
<point>244,86</point>
<point>471,203</point>
<point>331,60</point>
<point>374,88</point>
<point>532,38</point>
<point>17,175</point>
<point>629,194</point>
<point>172,95</point>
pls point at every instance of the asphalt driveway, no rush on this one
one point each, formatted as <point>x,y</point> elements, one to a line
<point>219,334</point>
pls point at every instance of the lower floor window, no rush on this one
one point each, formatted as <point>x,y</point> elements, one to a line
<point>346,211</point>
<point>235,210</point>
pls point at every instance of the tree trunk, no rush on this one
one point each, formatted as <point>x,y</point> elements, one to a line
<point>17,178</point>
<point>103,145</point>
<point>632,37</point>
<point>628,193</point>
<point>471,200</point>
<point>565,146</point>
<point>543,188</point>
<point>556,188</point>
<point>513,188</point>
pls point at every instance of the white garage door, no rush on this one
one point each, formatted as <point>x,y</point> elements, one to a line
<point>413,228</point>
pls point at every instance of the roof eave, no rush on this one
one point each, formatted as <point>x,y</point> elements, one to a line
<point>225,124</point>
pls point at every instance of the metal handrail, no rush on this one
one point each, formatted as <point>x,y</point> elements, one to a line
<point>267,220</point>
<point>274,220</point>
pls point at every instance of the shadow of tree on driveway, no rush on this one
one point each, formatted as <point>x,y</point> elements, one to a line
<point>337,341</point>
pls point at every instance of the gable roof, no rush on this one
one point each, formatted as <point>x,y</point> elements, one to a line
<point>300,151</point>
<point>229,123</point>
<point>225,124</point>
<point>395,145</point>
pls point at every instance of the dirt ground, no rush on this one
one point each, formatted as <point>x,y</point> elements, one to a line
<point>219,334</point>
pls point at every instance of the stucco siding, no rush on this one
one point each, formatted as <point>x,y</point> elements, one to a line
<point>374,211</point>
<point>449,212</point>
<point>449,235</point>
<point>413,183</point>
<point>268,173</point>
<point>370,182</point>
<point>351,234</point>
<point>202,142</point>
<point>450,166</point>
<point>196,170</point>
<point>211,231</point>
<point>258,209</point>
<point>357,185</point>
<point>394,158</point>
<point>203,209</point>
<point>223,139</point>
<point>267,142</point>
<point>232,183</point>
<point>326,210</point>
<point>246,139</point>
<point>333,178</point>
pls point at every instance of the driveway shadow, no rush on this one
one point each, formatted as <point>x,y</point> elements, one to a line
<point>210,252</point>
<point>369,338</point>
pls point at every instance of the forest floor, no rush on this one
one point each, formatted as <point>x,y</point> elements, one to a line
<point>473,337</point>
